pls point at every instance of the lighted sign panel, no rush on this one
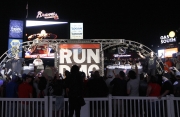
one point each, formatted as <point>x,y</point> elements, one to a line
<point>86,55</point>
<point>60,29</point>
<point>14,43</point>
<point>167,39</point>
<point>16,29</point>
<point>160,52</point>
<point>170,52</point>
<point>76,30</point>
<point>167,52</point>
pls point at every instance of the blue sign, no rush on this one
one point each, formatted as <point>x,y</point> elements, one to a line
<point>14,43</point>
<point>16,29</point>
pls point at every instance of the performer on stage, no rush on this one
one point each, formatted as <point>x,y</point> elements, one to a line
<point>118,61</point>
<point>37,63</point>
<point>151,62</point>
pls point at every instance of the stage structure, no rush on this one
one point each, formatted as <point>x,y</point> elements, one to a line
<point>104,44</point>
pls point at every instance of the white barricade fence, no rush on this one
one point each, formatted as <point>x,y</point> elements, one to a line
<point>111,106</point>
<point>24,107</point>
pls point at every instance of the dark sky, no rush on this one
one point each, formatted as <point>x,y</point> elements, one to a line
<point>144,22</point>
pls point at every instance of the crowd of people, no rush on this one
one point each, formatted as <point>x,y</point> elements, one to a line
<point>76,85</point>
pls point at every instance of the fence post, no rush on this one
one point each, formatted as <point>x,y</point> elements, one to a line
<point>110,105</point>
<point>46,106</point>
<point>172,106</point>
<point>50,105</point>
<point>168,106</point>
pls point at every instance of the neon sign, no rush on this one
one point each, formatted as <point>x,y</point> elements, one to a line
<point>54,15</point>
<point>167,39</point>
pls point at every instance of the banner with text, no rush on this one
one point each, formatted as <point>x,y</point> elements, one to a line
<point>76,30</point>
<point>85,55</point>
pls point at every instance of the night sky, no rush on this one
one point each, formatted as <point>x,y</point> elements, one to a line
<point>143,22</point>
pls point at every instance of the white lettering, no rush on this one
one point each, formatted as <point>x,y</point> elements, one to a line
<point>168,40</point>
<point>83,69</point>
<point>65,54</point>
<point>76,54</point>
<point>62,68</point>
<point>93,55</point>
<point>16,29</point>
<point>92,67</point>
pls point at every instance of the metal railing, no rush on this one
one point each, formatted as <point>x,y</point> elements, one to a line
<point>111,106</point>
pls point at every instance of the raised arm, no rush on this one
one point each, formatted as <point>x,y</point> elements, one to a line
<point>141,55</point>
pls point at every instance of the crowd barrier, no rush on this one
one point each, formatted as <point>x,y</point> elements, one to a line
<point>111,106</point>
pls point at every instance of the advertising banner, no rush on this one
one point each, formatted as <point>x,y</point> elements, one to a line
<point>87,56</point>
<point>76,30</point>
<point>15,47</point>
<point>16,29</point>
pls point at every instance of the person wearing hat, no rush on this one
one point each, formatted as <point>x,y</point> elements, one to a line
<point>167,87</point>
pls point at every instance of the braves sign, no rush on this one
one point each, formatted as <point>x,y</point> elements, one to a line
<point>47,15</point>
<point>85,55</point>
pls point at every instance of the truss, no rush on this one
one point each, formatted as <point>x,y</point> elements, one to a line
<point>105,44</point>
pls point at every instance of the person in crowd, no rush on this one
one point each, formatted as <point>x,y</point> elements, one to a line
<point>133,83</point>
<point>176,89</point>
<point>119,85</point>
<point>176,85</point>
<point>151,62</point>
<point>12,92</point>
<point>119,88</point>
<point>12,88</point>
<point>41,83</point>
<point>96,87</point>
<point>143,84</point>
<point>74,91</point>
<point>154,90</point>
<point>177,62</point>
<point>58,93</point>
<point>133,88</point>
<point>167,65</point>
<point>25,89</point>
<point>108,80</point>
<point>167,87</point>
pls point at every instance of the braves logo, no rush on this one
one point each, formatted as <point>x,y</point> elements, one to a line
<point>47,15</point>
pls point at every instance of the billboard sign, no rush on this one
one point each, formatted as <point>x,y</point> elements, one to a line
<point>16,29</point>
<point>14,45</point>
<point>85,55</point>
<point>167,39</point>
<point>167,52</point>
<point>76,30</point>
<point>53,15</point>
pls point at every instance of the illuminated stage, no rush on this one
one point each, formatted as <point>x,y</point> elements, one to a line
<point>89,53</point>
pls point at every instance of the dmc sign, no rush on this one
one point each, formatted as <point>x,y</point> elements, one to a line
<point>167,39</point>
